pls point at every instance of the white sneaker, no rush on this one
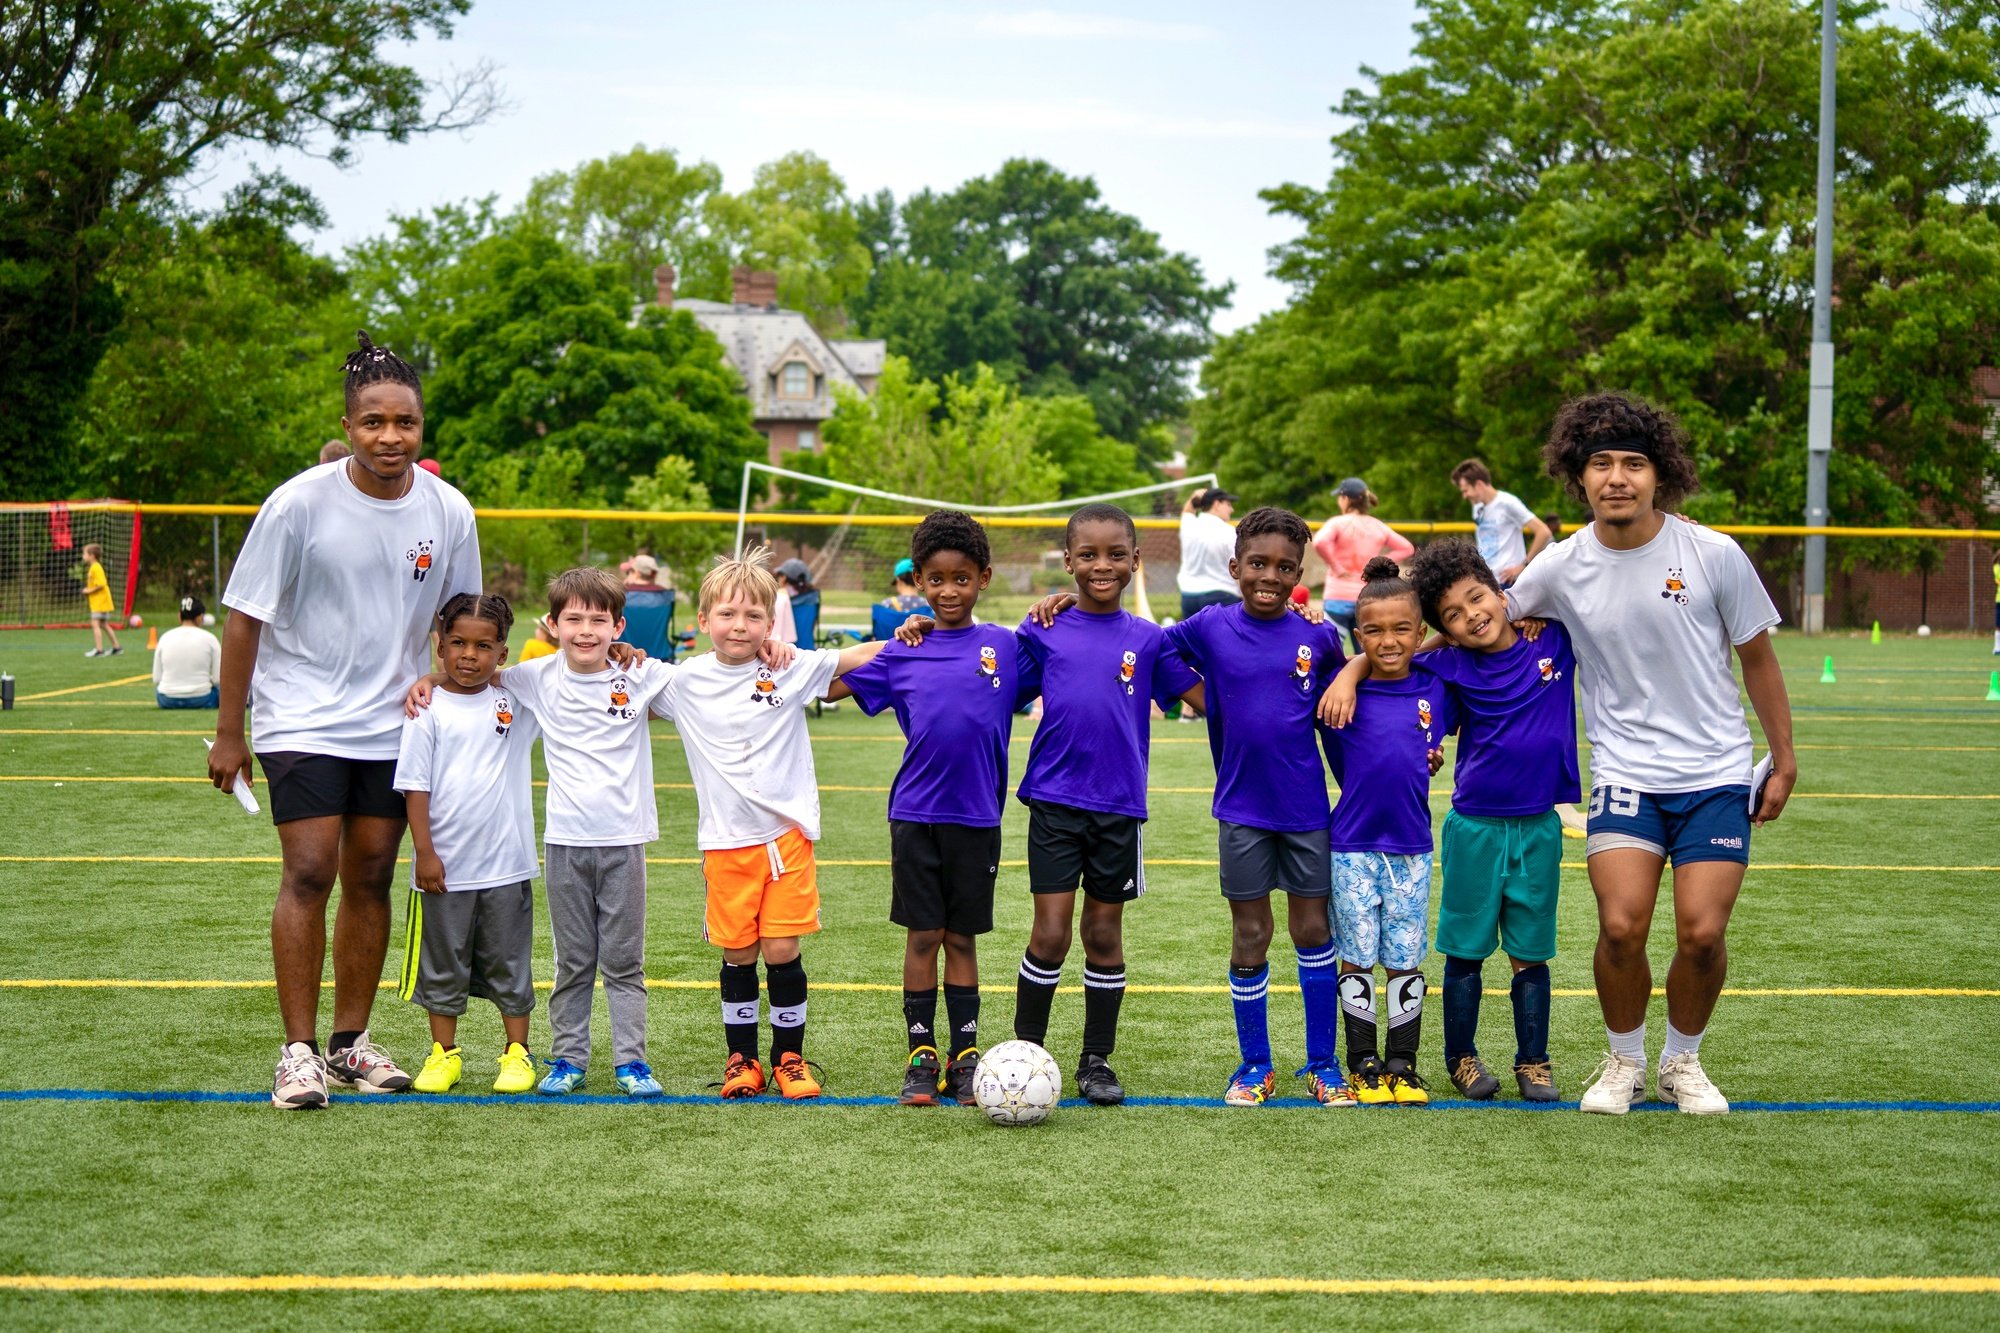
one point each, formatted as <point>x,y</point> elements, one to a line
<point>365,1067</point>
<point>300,1083</point>
<point>1686,1085</point>
<point>1617,1085</point>
<point>95,652</point>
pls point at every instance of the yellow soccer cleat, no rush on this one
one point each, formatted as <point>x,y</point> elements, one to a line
<point>1371,1084</point>
<point>441,1070</point>
<point>1408,1088</point>
<point>517,1070</point>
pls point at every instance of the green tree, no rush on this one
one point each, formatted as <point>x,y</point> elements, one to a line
<point>543,356</point>
<point>1063,429</point>
<point>797,221</point>
<point>105,108</point>
<point>636,210</point>
<point>406,284</point>
<point>1030,272</point>
<point>1559,196</point>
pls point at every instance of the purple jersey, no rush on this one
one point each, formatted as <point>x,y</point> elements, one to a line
<point>1517,725</point>
<point>1101,675</point>
<point>1396,724</point>
<point>1263,681</point>
<point>955,699</point>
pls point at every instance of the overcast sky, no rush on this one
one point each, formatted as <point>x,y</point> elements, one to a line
<point>1181,111</point>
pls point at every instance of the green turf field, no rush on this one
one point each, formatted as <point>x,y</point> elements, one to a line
<point>1863,972</point>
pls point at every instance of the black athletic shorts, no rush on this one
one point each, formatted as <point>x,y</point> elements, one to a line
<point>309,786</point>
<point>1102,851</point>
<point>941,876</point>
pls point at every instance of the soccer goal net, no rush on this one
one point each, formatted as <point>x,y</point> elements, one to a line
<point>850,537</point>
<point>42,563</point>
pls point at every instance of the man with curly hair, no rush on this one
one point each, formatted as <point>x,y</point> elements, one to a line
<point>1653,607</point>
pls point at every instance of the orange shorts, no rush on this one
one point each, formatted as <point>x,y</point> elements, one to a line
<point>765,891</point>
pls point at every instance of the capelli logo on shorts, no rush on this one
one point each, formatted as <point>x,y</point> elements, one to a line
<point>1735,844</point>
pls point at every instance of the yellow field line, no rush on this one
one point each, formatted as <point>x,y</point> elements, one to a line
<point>870,864</point>
<point>928,1284</point>
<point>884,988</point>
<point>80,689</point>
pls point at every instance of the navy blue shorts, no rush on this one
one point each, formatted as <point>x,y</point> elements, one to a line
<point>1683,827</point>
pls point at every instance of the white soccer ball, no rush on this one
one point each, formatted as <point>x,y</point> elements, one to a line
<point>1017,1083</point>
<point>208,618</point>
<point>1923,631</point>
<point>137,621</point>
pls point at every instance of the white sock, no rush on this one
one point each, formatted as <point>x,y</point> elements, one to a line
<point>1631,1045</point>
<point>1680,1043</point>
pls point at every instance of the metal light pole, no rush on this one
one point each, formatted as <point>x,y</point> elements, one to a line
<point>1819,407</point>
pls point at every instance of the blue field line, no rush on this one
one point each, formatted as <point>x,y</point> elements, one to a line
<point>1143,1103</point>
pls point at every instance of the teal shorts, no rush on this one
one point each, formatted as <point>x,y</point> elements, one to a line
<point>1501,877</point>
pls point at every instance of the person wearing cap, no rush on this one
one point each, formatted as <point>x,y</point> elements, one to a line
<point>1208,544</point>
<point>1501,519</point>
<point>905,597</point>
<point>187,666</point>
<point>797,612</point>
<point>1347,542</point>
<point>641,572</point>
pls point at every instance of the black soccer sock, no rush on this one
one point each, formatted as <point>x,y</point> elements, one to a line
<point>1531,1015</point>
<point>961,1010</point>
<point>920,1016</point>
<point>739,1008</point>
<point>1357,1015</point>
<point>787,984</point>
<point>1461,1008</point>
<point>337,1042</point>
<point>1103,995</point>
<point>1406,1017</point>
<point>1034,992</point>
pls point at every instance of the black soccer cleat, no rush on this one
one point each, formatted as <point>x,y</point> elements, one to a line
<point>1099,1086</point>
<point>1537,1081</point>
<point>920,1081</point>
<point>1471,1077</point>
<point>958,1076</point>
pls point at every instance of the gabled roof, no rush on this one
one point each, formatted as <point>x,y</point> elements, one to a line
<point>757,340</point>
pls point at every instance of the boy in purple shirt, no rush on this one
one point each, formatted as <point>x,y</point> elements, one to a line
<point>1102,670</point>
<point>1502,841</point>
<point>1380,836</point>
<point>955,699</point>
<point>1263,670</point>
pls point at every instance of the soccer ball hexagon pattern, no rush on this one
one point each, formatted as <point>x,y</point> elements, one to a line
<point>1017,1083</point>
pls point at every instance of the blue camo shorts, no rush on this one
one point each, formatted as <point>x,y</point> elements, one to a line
<point>1381,908</point>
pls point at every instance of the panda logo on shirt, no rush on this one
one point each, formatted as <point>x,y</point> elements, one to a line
<point>1424,717</point>
<point>989,665</point>
<point>503,715</point>
<point>1126,668</point>
<point>1676,589</point>
<point>419,557</point>
<point>621,699</point>
<point>1302,666</point>
<point>764,690</point>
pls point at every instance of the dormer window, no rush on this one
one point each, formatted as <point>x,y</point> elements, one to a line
<point>795,380</point>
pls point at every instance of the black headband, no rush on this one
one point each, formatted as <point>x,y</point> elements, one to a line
<point>1625,445</point>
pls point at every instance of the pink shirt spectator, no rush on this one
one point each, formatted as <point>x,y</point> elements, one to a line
<point>1347,542</point>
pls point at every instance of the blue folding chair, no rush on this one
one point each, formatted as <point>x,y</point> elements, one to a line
<point>885,621</point>
<point>805,617</point>
<point>649,621</point>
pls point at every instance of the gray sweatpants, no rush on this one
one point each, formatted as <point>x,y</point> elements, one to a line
<point>597,919</point>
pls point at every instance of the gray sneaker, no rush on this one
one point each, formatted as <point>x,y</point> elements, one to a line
<point>365,1067</point>
<point>300,1083</point>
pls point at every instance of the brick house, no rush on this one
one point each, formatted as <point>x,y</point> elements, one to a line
<point>788,369</point>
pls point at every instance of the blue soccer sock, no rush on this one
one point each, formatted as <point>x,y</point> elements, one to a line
<point>1461,1008</point>
<point>1531,1015</point>
<point>1319,983</point>
<point>1248,989</point>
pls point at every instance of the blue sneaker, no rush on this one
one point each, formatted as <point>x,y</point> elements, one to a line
<point>637,1080</point>
<point>1327,1084</point>
<point>562,1079</point>
<point>1250,1085</point>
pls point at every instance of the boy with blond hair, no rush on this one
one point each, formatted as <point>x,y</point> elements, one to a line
<point>97,589</point>
<point>742,723</point>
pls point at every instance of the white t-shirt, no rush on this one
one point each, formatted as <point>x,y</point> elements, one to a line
<point>471,753</point>
<point>599,753</point>
<point>1207,545</point>
<point>1653,629</point>
<point>1499,522</point>
<point>347,587</point>
<point>744,729</point>
<point>188,662</point>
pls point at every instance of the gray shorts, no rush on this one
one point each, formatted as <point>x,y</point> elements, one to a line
<point>1258,860</point>
<point>472,942</point>
<point>101,617</point>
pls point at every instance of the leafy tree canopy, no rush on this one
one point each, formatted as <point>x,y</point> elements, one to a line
<point>1561,195</point>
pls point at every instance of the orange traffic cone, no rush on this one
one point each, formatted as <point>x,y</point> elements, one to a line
<point>152,637</point>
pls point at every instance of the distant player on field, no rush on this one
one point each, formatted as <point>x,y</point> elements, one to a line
<point>97,594</point>
<point>955,699</point>
<point>1502,521</point>
<point>1653,607</point>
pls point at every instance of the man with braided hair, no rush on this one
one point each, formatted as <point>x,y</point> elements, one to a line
<point>333,599</point>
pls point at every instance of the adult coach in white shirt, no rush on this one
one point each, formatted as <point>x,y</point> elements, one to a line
<point>1653,606</point>
<point>187,665</point>
<point>333,599</point>
<point>1501,520</point>
<point>1208,544</point>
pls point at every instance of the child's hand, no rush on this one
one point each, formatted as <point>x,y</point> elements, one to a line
<point>1336,706</point>
<point>777,656</point>
<point>419,697</point>
<point>1530,627</point>
<point>430,872</point>
<point>625,656</point>
<point>1043,613</point>
<point>1436,759</point>
<point>912,631</point>
<point>1313,615</point>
